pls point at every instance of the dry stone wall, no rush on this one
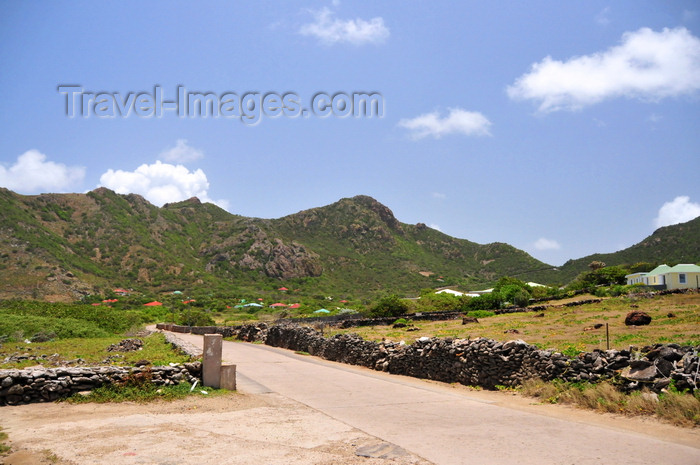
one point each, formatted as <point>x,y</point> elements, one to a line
<point>484,362</point>
<point>45,385</point>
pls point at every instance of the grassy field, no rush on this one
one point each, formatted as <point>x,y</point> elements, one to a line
<point>568,329</point>
<point>93,351</point>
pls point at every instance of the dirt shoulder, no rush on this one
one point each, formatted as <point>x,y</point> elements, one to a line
<point>233,429</point>
<point>241,429</point>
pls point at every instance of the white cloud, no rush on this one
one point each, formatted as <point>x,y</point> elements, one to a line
<point>435,227</point>
<point>161,183</point>
<point>458,121</point>
<point>546,244</point>
<point>31,173</point>
<point>679,210</point>
<point>439,195</point>
<point>181,153</point>
<point>330,30</point>
<point>647,65</point>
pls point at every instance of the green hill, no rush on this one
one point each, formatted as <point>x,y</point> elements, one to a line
<point>62,246</point>
<point>679,243</point>
<point>65,246</point>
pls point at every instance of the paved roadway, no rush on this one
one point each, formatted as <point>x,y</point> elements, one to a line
<point>443,425</point>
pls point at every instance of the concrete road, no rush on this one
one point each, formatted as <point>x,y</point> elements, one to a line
<point>441,424</point>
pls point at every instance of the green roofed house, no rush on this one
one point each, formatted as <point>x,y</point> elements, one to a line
<point>682,276</point>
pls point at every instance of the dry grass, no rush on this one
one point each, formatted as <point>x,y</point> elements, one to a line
<point>570,329</point>
<point>680,409</point>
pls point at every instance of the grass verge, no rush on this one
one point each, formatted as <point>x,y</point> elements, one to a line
<point>680,409</point>
<point>92,351</point>
<point>4,448</point>
<point>139,389</point>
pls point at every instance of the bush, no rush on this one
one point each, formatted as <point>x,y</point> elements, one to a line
<point>432,302</point>
<point>108,319</point>
<point>17,327</point>
<point>194,317</point>
<point>389,306</point>
<point>490,301</point>
<point>480,313</point>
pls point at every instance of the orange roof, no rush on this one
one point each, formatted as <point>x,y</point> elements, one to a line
<point>155,303</point>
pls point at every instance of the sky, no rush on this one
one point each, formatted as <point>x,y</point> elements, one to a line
<point>561,128</point>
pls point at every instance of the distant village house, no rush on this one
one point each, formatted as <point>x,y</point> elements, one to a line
<point>683,276</point>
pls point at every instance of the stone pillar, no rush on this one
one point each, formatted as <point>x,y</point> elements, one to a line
<point>228,377</point>
<point>211,361</point>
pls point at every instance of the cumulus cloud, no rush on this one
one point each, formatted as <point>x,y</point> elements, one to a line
<point>330,30</point>
<point>161,183</point>
<point>458,121</point>
<point>546,244</point>
<point>435,227</point>
<point>181,153</point>
<point>32,173</point>
<point>679,210</point>
<point>647,65</point>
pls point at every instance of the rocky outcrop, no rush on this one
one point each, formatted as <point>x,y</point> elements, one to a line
<point>253,249</point>
<point>292,261</point>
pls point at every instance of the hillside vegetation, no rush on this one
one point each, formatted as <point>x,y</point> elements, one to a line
<point>675,244</point>
<point>63,247</point>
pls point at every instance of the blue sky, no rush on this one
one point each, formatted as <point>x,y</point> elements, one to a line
<point>562,128</point>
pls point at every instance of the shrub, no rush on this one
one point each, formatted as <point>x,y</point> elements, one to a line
<point>18,327</point>
<point>389,306</point>
<point>480,313</point>
<point>194,317</point>
<point>490,301</point>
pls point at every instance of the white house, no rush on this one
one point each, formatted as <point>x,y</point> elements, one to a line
<point>456,293</point>
<point>682,276</point>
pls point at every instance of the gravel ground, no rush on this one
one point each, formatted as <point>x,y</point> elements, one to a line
<point>229,429</point>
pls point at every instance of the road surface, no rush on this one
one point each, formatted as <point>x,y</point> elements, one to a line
<point>444,425</point>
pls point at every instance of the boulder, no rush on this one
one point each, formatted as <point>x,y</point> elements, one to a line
<point>637,318</point>
<point>640,370</point>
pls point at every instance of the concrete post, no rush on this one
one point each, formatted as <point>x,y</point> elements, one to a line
<point>228,377</point>
<point>211,361</point>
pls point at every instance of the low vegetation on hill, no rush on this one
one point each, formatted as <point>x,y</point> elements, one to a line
<point>62,247</point>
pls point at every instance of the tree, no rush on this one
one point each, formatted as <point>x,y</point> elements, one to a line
<point>514,291</point>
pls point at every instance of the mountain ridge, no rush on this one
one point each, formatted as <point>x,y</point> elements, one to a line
<point>63,246</point>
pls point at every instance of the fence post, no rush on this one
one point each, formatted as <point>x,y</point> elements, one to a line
<point>211,361</point>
